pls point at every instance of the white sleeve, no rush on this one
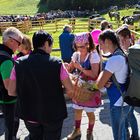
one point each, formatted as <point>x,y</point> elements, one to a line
<point>115,63</point>
<point>94,58</point>
<point>75,56</point>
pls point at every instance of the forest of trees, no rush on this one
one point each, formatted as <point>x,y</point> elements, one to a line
<point>83,4</point>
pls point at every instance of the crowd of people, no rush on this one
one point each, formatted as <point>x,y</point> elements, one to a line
<point>29,91</point>
<point>46,16</point>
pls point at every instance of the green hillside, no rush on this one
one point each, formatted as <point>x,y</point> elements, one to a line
<point>20,7</point>
<point>30,7</point>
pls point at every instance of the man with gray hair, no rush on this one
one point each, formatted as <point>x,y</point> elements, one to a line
<point>12,38</point>
<point>66,43</point>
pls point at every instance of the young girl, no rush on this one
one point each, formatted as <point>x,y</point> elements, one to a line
<point>85,60</point>
<point>115,65</point>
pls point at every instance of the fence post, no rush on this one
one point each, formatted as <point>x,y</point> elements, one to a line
<point>72,23</point>
<point>56,25</point>
<point>92,24</point>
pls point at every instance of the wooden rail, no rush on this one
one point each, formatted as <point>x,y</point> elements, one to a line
<point>49,25</point>
<point>56,49</point>
<point>55,25</point>
<point>135,32</point>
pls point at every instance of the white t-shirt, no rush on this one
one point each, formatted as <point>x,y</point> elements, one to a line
<point>94,57</point>
<point>117,65</point>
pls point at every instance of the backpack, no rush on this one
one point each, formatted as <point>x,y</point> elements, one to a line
<point>132,96</point>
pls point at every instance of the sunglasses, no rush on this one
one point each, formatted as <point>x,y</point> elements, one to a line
<point>16,41</point>
<point>81,47</point>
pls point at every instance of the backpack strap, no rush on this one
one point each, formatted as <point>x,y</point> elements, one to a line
<point>117,84</point>
<point>119,52</point>
<point>5,54</point>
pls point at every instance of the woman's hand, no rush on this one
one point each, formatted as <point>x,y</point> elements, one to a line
<point>69,66</point>
<point>77,66</point>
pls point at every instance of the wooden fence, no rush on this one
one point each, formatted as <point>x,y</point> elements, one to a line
<point>55,25</point>
<point>50,25</point>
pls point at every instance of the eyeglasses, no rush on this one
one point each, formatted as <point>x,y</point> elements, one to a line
<point>81,47</point>
<point>15,40</point>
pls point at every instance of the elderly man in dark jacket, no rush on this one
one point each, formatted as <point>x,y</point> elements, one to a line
<point>66,43</point>
<point>11,38</point>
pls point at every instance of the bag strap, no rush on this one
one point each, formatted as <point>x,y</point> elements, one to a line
<point>77,79</point>
<point>5,54</point>
<point>117,84</point>
<point>118,87</point>
<point>120,52</point>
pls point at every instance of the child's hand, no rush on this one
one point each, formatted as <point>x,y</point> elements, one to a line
<point>77,66</point>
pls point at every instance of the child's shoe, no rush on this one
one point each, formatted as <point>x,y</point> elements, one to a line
<point>89,135</point>
<point>75,134</point>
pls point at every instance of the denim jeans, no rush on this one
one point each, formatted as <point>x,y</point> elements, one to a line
<point>132,122</point>
<point>118,119</point>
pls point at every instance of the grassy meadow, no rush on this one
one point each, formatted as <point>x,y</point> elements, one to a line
<point>19,7</point>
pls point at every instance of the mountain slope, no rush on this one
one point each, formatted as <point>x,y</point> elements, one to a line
<point>20,6</point>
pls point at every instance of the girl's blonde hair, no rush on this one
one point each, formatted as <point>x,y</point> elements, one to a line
<point>26,43</point>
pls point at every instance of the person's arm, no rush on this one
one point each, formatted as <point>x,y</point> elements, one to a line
<point>12,88</point>
<point>12,83</point>
<point>93,72</point>
<point>70,67</point>
<point>64,76</point>
<point>113,65</point>
<point>103,79</point>
<point>68,86</point>
<point>5,70</point>
<point>95,66</point>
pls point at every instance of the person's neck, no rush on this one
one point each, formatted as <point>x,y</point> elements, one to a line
<point>83,54</point>
<point>45,50</point>
<point>113,49</point>
<point>125,48</point>
<point>42,49</point>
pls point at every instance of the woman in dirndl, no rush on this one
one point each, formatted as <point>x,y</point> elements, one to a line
<point>86,61</point>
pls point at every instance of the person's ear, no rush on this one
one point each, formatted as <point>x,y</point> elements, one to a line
<point>46,44</point>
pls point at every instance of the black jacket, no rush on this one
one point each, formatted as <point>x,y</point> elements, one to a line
<point>5,54</point>
<point>39,88</point>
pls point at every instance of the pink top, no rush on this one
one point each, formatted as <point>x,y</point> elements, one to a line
<point>95,35</point>
<point>15,57</point>
<point>63,73</point>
